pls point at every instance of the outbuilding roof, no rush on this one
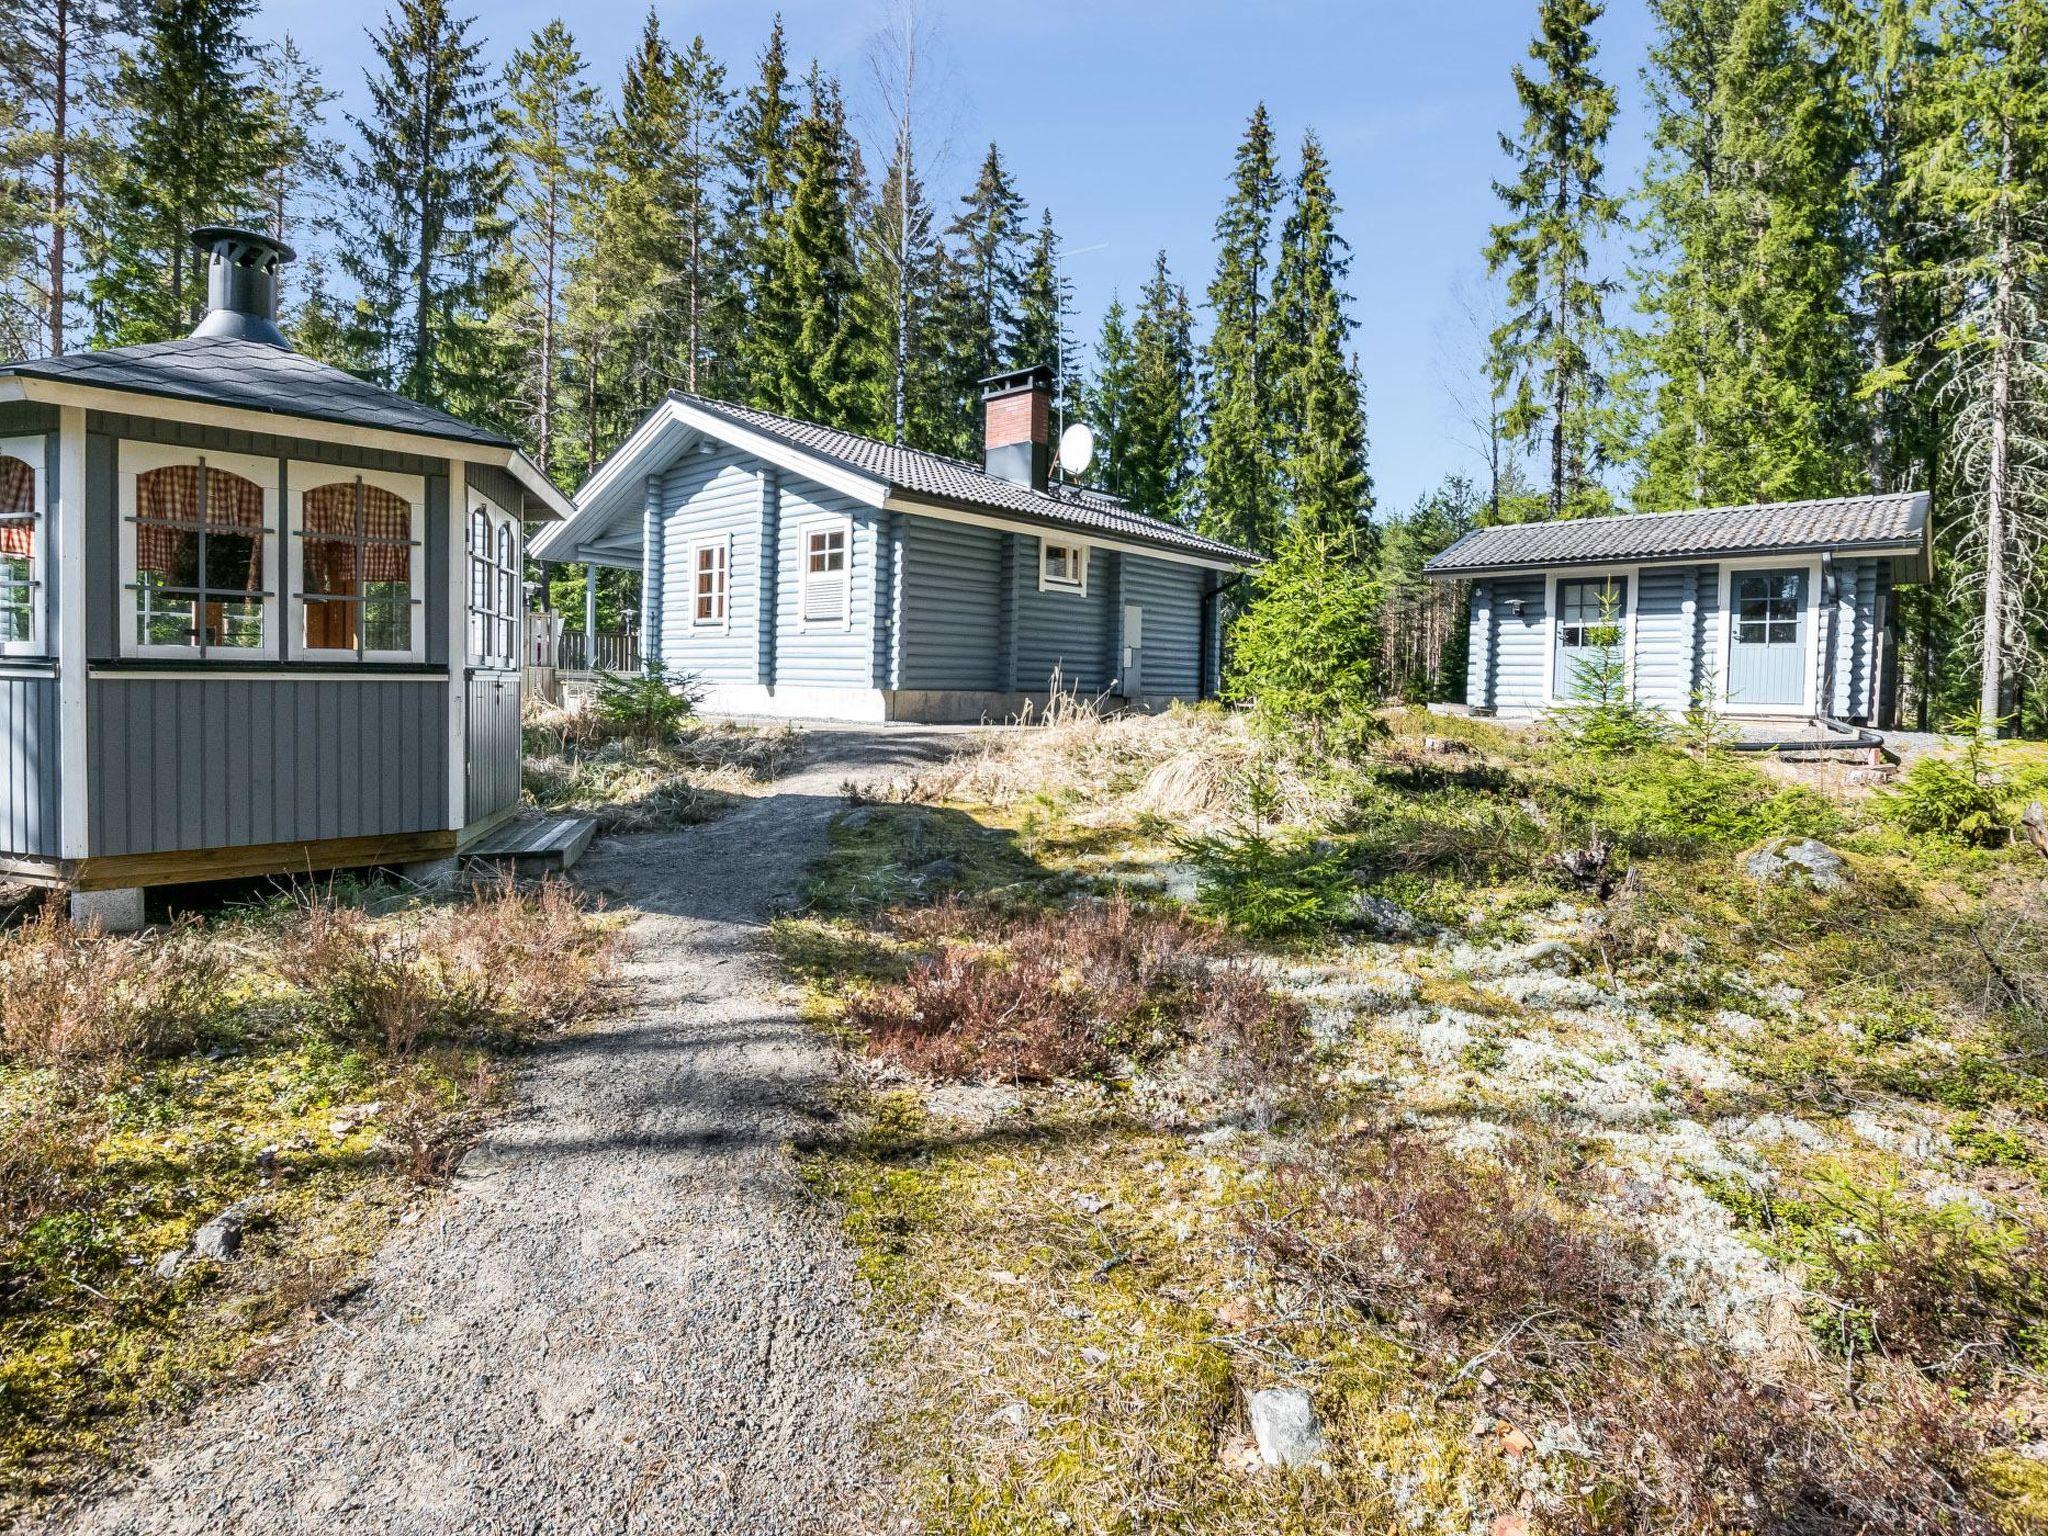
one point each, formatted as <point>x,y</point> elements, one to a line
<point>252,376</point>
<point>908,474</point>
<point>1894,522</point>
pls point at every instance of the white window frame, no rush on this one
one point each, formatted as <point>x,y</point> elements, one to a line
<point>488,622</point>
<point>721,545</point>
<point>1077,553</point>
<point>411,489</point>
<point>139,458</point>
<point>1809,563</point>
<point>1634,576</point>
<point>807,530</point>
<point>34,452</point>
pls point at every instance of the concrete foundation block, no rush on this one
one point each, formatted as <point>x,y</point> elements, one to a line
<point>118,911</point>
<point>433,874</point>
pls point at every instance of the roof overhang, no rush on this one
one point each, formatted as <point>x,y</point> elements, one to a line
<point>1079,533</point>
<point>128,402</point>
<point>618,488</point>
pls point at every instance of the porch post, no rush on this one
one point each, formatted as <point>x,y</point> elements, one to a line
<point>653,566</point>
<point>589,614</point>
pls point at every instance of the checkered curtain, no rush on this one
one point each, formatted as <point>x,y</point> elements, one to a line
<point>167,508</point>
<point>17,500</point>
<point>330,562</point>
<point>387,517</point>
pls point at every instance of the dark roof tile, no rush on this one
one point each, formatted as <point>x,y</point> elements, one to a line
<point>914,473</point>
<point>1896,520</point>
<point>250,376</point>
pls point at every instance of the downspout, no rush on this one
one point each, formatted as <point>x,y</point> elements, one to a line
<point>1212,635</point>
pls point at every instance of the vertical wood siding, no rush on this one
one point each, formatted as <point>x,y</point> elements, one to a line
<point>1671,640</point>
<point>1855,682</point>
<point>712,496</point>
<point>28,766</point>
<point>180,764</point>
<point>1170,661</point>
<point>491,768</point>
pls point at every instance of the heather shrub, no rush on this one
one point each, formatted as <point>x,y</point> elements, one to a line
<point>1030,998</point>
<point>75,996</point>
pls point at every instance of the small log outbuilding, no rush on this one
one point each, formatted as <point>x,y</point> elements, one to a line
<point>1776,611</point>
<point>257,615</point>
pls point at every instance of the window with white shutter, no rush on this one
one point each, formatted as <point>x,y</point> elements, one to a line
<point>825,574</point>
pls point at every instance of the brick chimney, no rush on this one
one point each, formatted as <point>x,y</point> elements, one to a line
<point>1016,413</point>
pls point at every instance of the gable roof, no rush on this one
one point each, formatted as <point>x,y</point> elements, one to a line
<point>276,382</point>
<point>905,474</point>
<point>1895,522</point>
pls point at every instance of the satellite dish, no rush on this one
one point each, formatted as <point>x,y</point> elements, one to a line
<point>1077,448</point>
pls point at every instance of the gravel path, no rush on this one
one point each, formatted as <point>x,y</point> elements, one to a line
<point>625,1315</point>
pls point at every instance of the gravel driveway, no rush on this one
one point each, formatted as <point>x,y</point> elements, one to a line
<point>626,1315</point>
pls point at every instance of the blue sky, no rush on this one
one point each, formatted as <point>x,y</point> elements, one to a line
<point>1122,117</point>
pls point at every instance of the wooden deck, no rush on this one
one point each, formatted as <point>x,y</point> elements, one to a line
<point>534,846</point>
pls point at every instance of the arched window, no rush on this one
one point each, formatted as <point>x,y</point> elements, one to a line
<point>198,563</point>
<point>496,588</point>
<point>21,572</point>
<point>359,542</point>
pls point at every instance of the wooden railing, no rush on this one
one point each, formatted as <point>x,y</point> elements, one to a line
<point>550,647</point>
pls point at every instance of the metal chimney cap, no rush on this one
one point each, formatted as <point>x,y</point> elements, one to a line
<point>207,236</point>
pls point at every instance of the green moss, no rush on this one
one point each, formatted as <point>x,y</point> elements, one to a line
<point>889,855</point>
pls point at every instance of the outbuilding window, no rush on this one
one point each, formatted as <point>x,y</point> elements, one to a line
<point>710,578</point>
<point>359,552</point>
<point>825,595</point>
<point>198,563</point>
<point>1062,567</point>
<point>21,565</point>
<point>494,586</point>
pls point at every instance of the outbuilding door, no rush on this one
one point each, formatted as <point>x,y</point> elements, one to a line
<point>1767,638</point>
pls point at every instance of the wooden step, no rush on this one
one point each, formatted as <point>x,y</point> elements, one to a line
<point>534,845</point>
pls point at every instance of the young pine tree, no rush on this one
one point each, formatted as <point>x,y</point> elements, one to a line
<point>188,139</point>
<point>1239,490</point>
<point>427,186</point>
<point>1550,352</point>
<point>1317,403</point>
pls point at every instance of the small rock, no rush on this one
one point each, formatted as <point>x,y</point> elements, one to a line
<point>171,1265</point>
<point>1388,919</point>
<point>1285,1426</point>
<point>857,818</point>
<point>221,1238</point>
<point>1446,744</point>
<point>1088,1204</point>
<point>941,869</point>
<point>1797,861</point>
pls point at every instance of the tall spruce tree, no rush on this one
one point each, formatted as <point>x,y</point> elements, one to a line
<point>298,163</point>
<point>902,269</point>
<point>1239,489</point>
<point>188,153</point>
<point>1044,299</point>
<point>825,371</point>
<point>1753,333</point>
<point>761,154</point>
<point>55,56</point>
<point>1983,168</point>
<point>1108,402</point>
<point>1157,474</point>
<point>1551,353</point>
<point>427,187</point>
<point>987,281</point>
<point>553,112</point>
<point>1317,403</point>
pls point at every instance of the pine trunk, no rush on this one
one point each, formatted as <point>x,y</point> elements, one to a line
<point>1997,479</point>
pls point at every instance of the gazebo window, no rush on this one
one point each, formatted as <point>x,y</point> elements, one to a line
<point>359,550</point>
<point>198,563</point>
<point>21,566</point>
<point>496,587</point>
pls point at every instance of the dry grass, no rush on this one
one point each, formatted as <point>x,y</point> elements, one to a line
<point>75,997</point>
<point>511,960</point>
<point>1030,998</point>
<point>575,763</point>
